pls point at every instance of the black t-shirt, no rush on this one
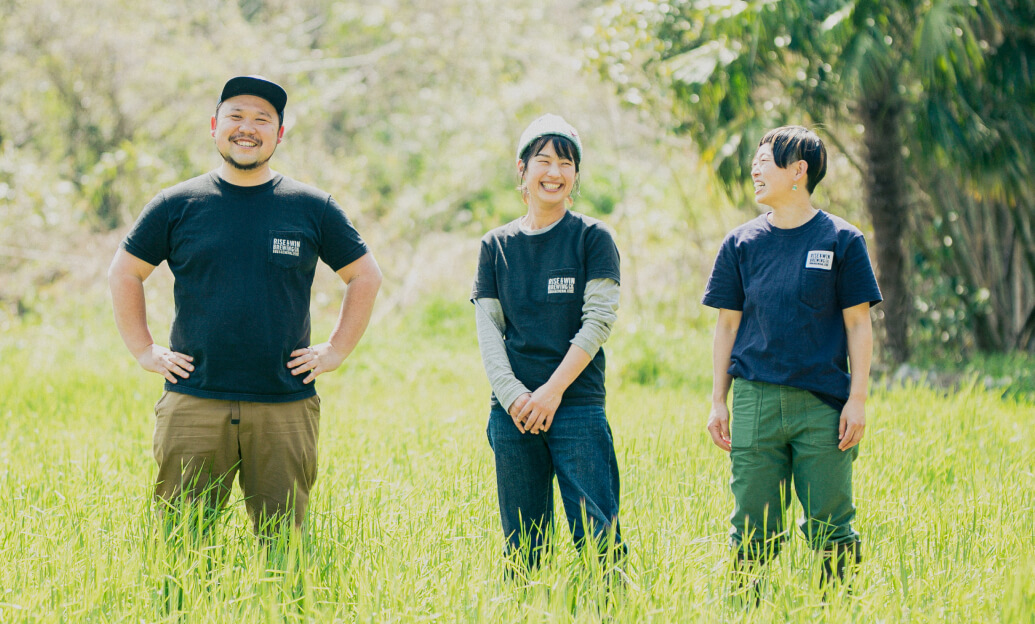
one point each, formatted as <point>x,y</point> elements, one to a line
<point>244,260</point>
<point>792,286</point>
<point>540,281</point>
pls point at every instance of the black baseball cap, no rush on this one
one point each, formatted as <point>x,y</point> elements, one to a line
<point>258,86</point>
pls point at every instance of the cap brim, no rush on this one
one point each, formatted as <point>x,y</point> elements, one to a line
<point>259,87</point>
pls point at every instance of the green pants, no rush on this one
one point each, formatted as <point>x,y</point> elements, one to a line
<point>782,435</point>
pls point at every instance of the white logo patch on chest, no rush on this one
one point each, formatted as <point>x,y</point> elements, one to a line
<point>820,260</point>
<point>561,285</point>
<point>286,246</point>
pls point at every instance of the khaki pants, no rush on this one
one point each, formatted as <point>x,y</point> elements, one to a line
<point>201,445</point>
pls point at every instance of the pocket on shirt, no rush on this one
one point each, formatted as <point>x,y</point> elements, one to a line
<point>562,286</point>
<point>285,248</point>
<point>817,288</point>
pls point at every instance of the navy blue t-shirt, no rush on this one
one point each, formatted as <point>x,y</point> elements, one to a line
<point>244,260</point>
<point>540,281</point>
<point>792,286</point>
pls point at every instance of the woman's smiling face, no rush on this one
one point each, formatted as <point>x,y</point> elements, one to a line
<point>771,181</point>
<point>548,177</point>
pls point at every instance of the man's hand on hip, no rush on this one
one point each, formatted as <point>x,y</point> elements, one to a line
<point>315,360</point>
<point>168,364</point>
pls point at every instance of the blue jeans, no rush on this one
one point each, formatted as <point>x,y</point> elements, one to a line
<point>579,450</point>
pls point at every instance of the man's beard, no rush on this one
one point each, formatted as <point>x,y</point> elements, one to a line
<point>245,166</point>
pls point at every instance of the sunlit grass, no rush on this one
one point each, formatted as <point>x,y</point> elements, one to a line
<point>403,522</point>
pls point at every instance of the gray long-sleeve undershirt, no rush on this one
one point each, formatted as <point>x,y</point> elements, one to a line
<point>599,311</point>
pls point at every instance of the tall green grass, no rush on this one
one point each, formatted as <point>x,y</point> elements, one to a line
<point>403,523</point>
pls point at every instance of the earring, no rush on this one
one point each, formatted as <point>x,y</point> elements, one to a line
<point>794,188</point>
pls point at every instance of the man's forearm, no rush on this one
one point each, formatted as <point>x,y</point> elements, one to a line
<point>354,315</point>
<point>127,296</point>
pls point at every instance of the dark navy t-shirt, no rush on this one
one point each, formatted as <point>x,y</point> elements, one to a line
<point>792,286</point>
<point>244,260</point>
<point>540,281</point>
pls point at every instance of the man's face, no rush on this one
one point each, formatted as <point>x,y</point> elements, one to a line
<point>246,129</point>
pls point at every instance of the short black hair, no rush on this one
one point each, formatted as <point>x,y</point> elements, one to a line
<point>564,147</point>
<point>794,143</point>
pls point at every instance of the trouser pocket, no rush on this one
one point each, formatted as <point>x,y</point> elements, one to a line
<point>747,404</point>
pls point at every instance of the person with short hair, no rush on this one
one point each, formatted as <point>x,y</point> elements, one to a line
<point>546,296</point>
<point>242,242</point>
<point>794,288</point>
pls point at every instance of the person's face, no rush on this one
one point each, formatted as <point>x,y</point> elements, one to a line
<point>773,184</point>
<point>548,177</point>
<point>247,131</point>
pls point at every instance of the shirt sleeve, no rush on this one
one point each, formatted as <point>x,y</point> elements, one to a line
<point>599,312</point>
<point>602,259</point>
<point>856,282</point>
<point>485,279</point>
<point>725,287</point>
<point>149,238</point>
<point>490,323</point>
<point>340,243</point>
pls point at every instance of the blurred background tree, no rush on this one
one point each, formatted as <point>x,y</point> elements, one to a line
<point>932,101</point>
<point>407,112</point>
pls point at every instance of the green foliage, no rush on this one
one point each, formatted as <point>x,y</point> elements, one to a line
<point>406,112</point>
<point>442,320</point>
<point>403,522</point>
<point>952,78</point>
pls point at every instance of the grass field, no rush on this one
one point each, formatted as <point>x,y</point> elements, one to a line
<point>403,522</point>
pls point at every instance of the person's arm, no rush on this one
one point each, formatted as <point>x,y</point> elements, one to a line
<point>537,414</point>
<point>722,348</point>
<point>860,351</point>
<point>599,311</point>
<point>362,279</point>
<point>491,323</point>
<point>126,277</point>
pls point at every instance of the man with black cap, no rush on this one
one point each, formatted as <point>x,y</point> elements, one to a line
<point>242,242</point>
